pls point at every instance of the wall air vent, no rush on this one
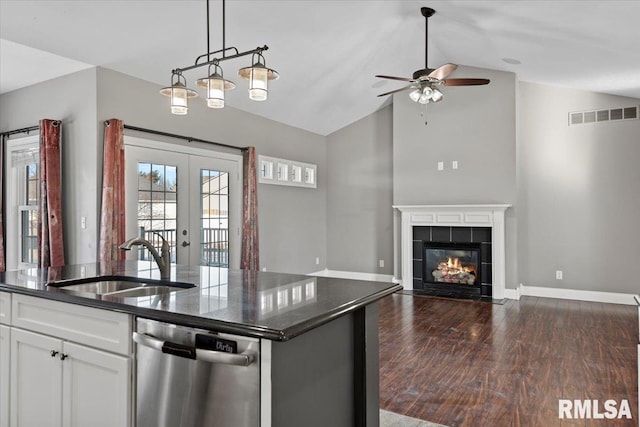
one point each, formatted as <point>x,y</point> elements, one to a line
<point>593,116</point>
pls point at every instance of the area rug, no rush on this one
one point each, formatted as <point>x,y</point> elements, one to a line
<point>391,419</point>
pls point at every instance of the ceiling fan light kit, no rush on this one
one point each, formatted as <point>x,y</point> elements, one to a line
<point>215,84</point>
<point>424,83</point>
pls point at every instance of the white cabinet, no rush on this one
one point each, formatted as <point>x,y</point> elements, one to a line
<point>5,337</point>
<point>95,387</point>
<point>5,334</point>
<point>5,308</point>
<point>36,380</point>
<point>61,374</point>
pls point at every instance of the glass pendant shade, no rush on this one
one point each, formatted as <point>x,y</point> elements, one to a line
<point>215,93</point>
<point>258,75</point>
<point>437,95</point>
<point>179,104</point>
<point>179,95</point>
<point>415,95</point>
<point>258,84</point>
<point>426,95</point>
<point>215,85</point>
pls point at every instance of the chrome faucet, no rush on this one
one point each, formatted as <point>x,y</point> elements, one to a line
<point>163,261</point>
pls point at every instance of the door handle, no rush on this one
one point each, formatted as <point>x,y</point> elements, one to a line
<point>185,243</point>
<point>211,356</point>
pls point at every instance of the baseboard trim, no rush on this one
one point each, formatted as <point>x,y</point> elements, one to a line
<point>515,294</point>
<point>574,294</point>
<point>353,275</point>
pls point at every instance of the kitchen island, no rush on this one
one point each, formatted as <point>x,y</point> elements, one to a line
<point>317,336</point>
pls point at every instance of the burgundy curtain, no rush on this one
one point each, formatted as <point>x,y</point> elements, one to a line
<point>112,228</point>
<point>50,238</point>
<point>3,265</point>
<point>250,259</point>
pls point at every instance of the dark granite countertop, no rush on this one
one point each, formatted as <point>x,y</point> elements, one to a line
<point>275,306</point>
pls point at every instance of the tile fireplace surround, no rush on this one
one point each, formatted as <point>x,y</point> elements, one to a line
<point>454,216</point>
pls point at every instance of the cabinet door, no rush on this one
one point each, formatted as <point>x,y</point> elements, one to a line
<point>36,380</point>
<point>5,336</point>
<point>96,388</point>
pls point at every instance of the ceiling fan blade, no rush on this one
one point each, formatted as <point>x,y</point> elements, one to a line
<point>465,82</point>
<point>396,90</point>
<point>443,71</point>
<point>404,79</point>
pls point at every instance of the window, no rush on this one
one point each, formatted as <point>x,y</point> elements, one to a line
<point>23,188</point>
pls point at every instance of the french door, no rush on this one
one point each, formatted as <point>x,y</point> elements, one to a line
<point>192,199</point>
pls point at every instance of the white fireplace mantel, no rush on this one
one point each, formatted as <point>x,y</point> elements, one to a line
<point>489,215</point>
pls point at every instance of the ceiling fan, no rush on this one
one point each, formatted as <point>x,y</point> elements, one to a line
<point>425,82</point>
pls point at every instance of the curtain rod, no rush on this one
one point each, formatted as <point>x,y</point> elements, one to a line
<point>23,130</point>
<point>186,138</point>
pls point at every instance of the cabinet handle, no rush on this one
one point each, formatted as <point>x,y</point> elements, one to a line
<point>53,353</point>
<point>63,356</point>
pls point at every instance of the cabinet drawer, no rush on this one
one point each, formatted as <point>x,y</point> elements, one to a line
<point>5,308</point>
<point>94,327</point>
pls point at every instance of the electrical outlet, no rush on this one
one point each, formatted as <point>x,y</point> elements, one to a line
<point>558,274</point>
<point>454,164</point>
<point>264,268</point>
<point>440,166</point>
<point>317,261</point>
<point>381,263</point>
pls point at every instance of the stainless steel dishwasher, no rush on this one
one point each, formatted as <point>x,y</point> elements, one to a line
<point>192,377</point>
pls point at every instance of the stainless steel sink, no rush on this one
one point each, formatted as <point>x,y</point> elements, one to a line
<point>118,286</point>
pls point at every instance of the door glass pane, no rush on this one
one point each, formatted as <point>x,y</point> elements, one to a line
<point>214,218</point>
<point>158,185</point>
<point>29,236</point>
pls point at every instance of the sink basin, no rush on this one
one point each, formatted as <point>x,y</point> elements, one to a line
<point>118,286</point>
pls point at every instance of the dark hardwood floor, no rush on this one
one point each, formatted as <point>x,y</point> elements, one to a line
<point>472,363</point>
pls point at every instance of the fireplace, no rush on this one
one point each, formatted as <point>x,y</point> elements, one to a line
<point>452,263</point>
<point>458,224</point>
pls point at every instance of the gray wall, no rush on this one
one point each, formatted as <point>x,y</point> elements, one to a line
<point>292,221</point>
<point>359,178</point>
<point>72,99</point>
<point>577,192</point>
<point>475,126</point>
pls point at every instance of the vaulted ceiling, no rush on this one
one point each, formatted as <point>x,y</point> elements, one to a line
<point>327,52</point>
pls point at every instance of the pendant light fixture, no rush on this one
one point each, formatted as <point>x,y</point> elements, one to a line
<point>215,83</point>
<point>179,94</point>
<point>258,75</point>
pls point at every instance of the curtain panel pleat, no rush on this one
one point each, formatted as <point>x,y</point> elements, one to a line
<point>112,225</point>
<point>250,256</point>
<point>50,232</point>
<point>3,265</point>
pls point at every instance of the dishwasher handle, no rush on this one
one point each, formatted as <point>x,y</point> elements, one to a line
<point>211,356</point>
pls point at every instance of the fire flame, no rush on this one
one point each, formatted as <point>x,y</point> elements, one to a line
<point>452,270</point>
